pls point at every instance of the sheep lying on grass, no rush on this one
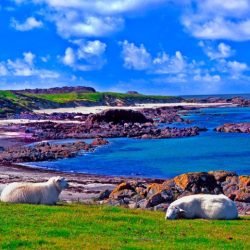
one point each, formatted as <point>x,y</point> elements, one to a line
<point>206,206</point>
<point>34,193</point>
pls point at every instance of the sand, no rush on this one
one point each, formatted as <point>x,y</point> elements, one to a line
<point>97,109</point>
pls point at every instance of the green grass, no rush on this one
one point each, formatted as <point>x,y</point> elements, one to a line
<point>7,94</point>
<point>102,227</point>
<point>94,97</point>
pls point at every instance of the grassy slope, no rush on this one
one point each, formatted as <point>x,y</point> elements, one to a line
<point>94,97</point>
<point>7,94</point>
<point>101,227</point>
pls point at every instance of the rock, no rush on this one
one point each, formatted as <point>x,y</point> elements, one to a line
<point>104,195</point>
<point>153,189</point>
<point>142,204</point>
<point>122,194</point>
<point>244,181</point>
<point>158,198</point>
<point>99,142</point>
<point>242,196</point>
<point>118,116</point>
<point>221,175</point>
<point>43,152</point>
<point>133,205</point>
<point>123,186</point>
<point>234,128</point>
<point>197,182</point>
<point>243,208</point>
<point>162,207</point>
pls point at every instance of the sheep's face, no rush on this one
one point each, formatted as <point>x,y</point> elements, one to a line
<point>174,212</point>
<point>61,182</point>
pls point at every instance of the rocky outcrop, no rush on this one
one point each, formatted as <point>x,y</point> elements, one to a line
<point>158,196</point>
<point>234,128</point>
<point>117,116</point>
<point>46,151</point>
<point>51,130</point>
<point>165,114</point>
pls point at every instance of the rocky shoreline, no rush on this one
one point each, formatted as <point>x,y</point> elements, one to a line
<point>137,193</point>
<point>46,151</point>
<point>158,196</point>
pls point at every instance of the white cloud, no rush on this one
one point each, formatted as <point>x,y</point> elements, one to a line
<point>24,67</point>
<point>164,64</point>
<point>85,18</point>
<point>80,25</point>
<point>88,55</point>
<point>135,57</point>
<point>69,57</point>
<point>237,68</point>
<point>215,19</point>
<point>221,51</point>
<point>3,70</point>
<point>29,24</point>
<point>104,7</point>
<point>207,78</point>
<point>180,69</point>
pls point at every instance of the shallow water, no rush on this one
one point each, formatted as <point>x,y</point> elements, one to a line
<point>169,157</point>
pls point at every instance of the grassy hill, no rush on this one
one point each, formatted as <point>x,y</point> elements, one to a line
<point>98,97</point>
<point>16,101</point>
<point>102,227</point>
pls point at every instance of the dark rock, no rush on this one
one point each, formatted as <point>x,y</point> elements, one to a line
<point>118,116</point>
<point>104,195</point>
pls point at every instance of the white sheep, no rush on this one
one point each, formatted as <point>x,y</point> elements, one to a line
<point>206,206</point>
<point>46,193</point>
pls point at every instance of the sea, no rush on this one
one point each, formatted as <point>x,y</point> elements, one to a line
<point>166,158</point>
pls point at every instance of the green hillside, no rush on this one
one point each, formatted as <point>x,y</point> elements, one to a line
<point>17,101</point>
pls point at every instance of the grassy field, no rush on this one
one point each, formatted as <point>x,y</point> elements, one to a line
<point>101,227</point>
<point>95,97</point>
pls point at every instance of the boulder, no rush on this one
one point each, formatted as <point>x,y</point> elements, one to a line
<point>196,182</point>
<point>118,116</point>
<point>99,142</point>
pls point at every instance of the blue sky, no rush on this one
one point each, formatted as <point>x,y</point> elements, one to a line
<point>152,46</point>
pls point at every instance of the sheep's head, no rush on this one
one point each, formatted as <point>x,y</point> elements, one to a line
<point>60,182</point>
<point>174,212</point>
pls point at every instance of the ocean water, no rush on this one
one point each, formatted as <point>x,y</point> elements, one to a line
<point>165,158</point>
<point>245,96</point>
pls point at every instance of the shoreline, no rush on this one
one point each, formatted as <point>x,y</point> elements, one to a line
<point>97,109</point>
<point>89,188</point>
<point>83,187</point>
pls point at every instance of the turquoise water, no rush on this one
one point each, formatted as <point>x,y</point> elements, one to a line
<point>169,157</point>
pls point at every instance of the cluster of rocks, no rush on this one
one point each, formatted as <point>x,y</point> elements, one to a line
<point>158,196</point>
<point>237,101</point>
<point>46,151</point>
<point>54,116</point>
<point>166,114</point>
<point>234,128</point>
<point>109,124</point>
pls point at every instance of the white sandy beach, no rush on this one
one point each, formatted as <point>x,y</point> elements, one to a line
<point>97,109</point>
